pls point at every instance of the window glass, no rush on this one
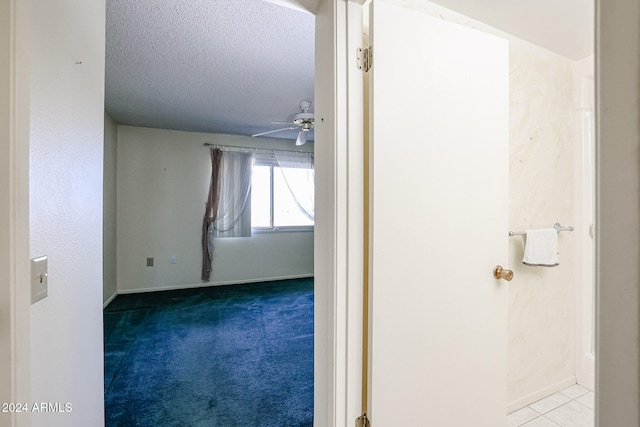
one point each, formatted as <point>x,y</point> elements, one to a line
<point>285,209</point>
<point>271,195</point>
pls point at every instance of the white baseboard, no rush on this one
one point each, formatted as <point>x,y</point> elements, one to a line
<point>209,284</point>
<point>540,394</point>
<point>586,371</point>
<point>108,301</point>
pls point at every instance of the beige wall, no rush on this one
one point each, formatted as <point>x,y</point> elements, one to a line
<point>66,161</point>
<point>543,138</point>
<point>5,213</point>
<point>618,219</point>
<point>163,179</point>
<point>110,284</point>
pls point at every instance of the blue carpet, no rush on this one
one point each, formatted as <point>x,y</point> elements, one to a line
<point>238,355</point>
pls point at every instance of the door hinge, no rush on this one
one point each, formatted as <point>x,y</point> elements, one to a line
<point>365,58</point>
<point>363,421</point>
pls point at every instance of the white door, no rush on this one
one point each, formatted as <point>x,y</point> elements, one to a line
<point>439,189</point>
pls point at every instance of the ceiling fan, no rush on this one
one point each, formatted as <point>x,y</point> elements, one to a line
<point>302,121</point>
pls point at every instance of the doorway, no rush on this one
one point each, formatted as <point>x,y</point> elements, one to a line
<point>158,145</point>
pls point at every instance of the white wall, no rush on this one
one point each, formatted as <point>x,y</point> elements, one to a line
<point>163,179</point>
<point>543,146</point>
<point>67,104</point>
<point>618,217</point>
<point>109,226</point>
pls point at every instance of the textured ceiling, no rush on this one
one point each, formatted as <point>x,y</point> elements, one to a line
<point>220,66</point>
<point>236,66</point>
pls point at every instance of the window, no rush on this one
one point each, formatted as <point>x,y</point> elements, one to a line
<point>281,197</point>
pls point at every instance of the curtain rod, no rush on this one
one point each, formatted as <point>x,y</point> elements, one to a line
<point>238,148</point>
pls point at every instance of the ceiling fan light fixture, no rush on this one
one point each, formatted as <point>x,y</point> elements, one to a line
<point>302,137</point>
<point>302,121</point>
<point>305,118</point>
<point>302,118</point>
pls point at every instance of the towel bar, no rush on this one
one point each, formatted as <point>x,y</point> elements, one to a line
<point>557,226</point>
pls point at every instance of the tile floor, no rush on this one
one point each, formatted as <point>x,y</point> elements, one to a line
<point>571,407</point>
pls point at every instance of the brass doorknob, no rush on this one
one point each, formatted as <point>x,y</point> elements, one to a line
<point>501,273</point>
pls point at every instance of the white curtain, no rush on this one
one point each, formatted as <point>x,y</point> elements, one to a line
<point>234,210</point>
<point>304,198</point>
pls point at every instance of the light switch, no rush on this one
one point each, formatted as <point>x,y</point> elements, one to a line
<point>39,279</point>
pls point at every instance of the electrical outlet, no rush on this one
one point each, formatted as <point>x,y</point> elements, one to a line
<point>150,261</point>
<point>39,279</point>
<point>174,259</point>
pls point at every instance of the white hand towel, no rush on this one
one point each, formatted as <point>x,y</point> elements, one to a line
<point>541,247</point>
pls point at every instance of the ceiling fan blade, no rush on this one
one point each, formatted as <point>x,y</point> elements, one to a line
<point>274,131</point>
<point>302,138</point>
<point>281,123</point>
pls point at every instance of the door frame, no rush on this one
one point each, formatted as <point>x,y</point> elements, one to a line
<point>15,365</point>
<point>337,266</point>
<point>339,233</point>
<point>585,187</point>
